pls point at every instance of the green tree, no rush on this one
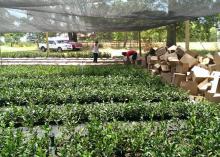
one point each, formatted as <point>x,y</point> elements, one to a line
<point>13,38</point>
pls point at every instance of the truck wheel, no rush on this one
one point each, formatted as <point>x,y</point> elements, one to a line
<point>59,49</point>
<point>43,49</point>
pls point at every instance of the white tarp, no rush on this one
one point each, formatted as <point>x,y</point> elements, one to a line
<point>98,15</point>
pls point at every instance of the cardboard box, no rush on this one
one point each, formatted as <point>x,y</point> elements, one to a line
<point>199,74</point>
<point>165,68</point>
<point>166,77</point>
<point>192,53</point>
<point>153,59</point>
<point>173,61</point>
<point>172,55</point>
<point>215,74</point>
<point>172,48</point>
<point>157,66</point>
<point>214,67</point>
<point>205,85</point>
<point>203,66</point>
<point>164,57</point>
<point>190,86</point>
<point>217,58</point>
<point>188,59</point>
<point>215,85</point>
<point>189,76</point>
<point>180,52</point>
<point>173,69</point>
<point>182,68</point>
<point>178,78</point>
<point>161,51</point>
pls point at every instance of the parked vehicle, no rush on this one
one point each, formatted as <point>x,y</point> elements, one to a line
<point>75,45</point>
<point>56,45</point>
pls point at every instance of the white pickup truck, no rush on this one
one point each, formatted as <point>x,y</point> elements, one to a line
<point>56,45</point>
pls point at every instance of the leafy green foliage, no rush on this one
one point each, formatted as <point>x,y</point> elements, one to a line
<point>101,111</point>
<point>65,54</point>
<point>83,85</point>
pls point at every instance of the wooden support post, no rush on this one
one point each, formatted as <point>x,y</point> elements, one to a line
<point>139,37</point>
<point>187,34</point>
<point>48,50</point>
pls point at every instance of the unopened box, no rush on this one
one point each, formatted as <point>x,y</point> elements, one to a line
<point>173,69</point>
<point>165,68</point>
<point>161,51</point>
<point>214,67</point>
<point>173,61</point>
<point>199,74</point>
<point>172,48</point>
<point>215,75</point>
<point>178,78</point>
<point>180,52</point>
<point>157,66</point>
<point>172,55</point>
<point>193,53</point>
<point>190,86</point>
<point>164,57</point>
<point>205,85</point>
<point>217,58</point>
<point>188,59</point>
<point>203,66</point>
<point>182,68</point>
<point>153,59</point>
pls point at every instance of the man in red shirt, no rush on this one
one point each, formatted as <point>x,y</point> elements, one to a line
<point>129,53</point>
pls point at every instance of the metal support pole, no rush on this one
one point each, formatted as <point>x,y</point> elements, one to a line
<point>187,34</point>
<point>48,50</point>
<point>139,37</point>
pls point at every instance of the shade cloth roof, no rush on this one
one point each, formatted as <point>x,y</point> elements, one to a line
<point>98,15</point>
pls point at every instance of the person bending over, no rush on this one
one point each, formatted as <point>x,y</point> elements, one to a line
<point>132,54</point>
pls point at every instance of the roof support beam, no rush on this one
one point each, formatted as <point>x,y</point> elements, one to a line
<point>47,41</point>
<point>139,38</point>
<point>187,34</point>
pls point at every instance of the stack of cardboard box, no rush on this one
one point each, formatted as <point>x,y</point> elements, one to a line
<point>199,75</point>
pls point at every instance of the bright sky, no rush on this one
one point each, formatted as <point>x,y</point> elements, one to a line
<point>17,13</point>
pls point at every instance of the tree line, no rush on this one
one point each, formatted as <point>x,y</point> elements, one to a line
<point>201,29</point>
